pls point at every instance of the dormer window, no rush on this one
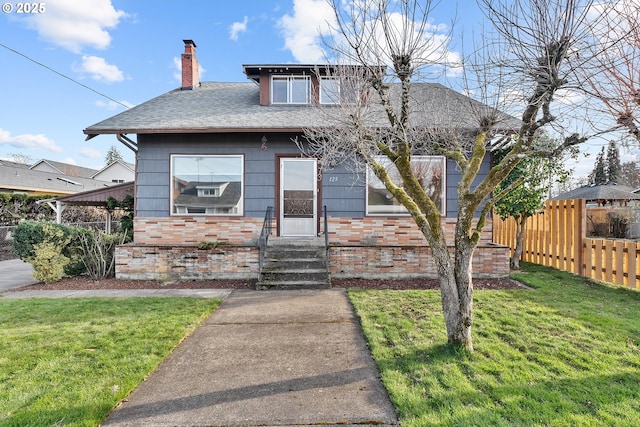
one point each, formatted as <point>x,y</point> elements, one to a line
<point>290,90</point>
<point>211,190</point>
<point>329,90</point>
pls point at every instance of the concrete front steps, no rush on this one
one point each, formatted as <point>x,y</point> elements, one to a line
<point>295,263</point>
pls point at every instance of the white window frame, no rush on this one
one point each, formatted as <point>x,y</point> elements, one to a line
<point>220,186</point>
<point>332,97</point>
<point>396,209</point>
<point>290,80</point>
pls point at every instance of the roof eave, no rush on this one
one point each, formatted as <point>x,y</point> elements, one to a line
<point>91,133</point>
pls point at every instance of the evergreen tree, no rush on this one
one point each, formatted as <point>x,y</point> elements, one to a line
<point>614,168</point>
<point>631,174</point>
<point>112,155</point>
<point>599,173</point>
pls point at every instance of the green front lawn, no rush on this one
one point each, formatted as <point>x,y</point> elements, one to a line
<point>564,354</point>
<point>69,361</point>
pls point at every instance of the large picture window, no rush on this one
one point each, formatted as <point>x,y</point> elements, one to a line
<point>207,185</point>
<point>290,89</point>
<point>431,173</point>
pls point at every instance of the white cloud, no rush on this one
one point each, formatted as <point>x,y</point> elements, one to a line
<point>99,69</point>
<point>28,141</point>
<point>237,28</point>
<point>302,31</point>
<point>112,105</point>
<point>91,153</point>
<point>75,25</point>
<point>314,19</point>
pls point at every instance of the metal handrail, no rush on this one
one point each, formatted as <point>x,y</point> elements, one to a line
<point>326,228</point>
<point>264,238</point>
<point>326,233</point>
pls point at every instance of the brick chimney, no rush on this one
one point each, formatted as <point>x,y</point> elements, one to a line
<point>190,67</point>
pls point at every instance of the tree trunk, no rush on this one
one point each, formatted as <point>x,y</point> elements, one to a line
<point>457,292</point>
<point>517,252</point>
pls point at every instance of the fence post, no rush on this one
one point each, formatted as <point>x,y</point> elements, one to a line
<point>580,227</point>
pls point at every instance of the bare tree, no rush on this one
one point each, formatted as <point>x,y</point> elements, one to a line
<point>383,49</point>
<point>613,76</point>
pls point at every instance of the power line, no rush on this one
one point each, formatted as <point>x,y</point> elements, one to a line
<point>63,75</point>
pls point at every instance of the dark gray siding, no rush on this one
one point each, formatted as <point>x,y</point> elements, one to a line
<point>259,167</point>
<point>453,178</point>
<point>342,191</point>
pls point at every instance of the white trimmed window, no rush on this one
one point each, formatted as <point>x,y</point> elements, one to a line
<point>431,171</point>
<point>207,184</point>
<point>329,90</point>
<point>290,90</point>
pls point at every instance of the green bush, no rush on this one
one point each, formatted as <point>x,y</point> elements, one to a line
<point>42,245</point>
<point>34,242</point>
<point>30,233</point>
<point>48,262</point>
<point>55,250</point>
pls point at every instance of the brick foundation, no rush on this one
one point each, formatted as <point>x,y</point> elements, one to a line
<point>184,262</point>
<point>402,262</point>
<point>370,247</point>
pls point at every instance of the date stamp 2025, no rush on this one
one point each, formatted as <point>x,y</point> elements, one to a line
<point>24,8</point>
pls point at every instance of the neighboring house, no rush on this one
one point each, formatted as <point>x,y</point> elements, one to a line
<point>118,171</point>
<point>40,179</point>
<point>212,157</point>
<point>609,194</point>
<point>63,168</point>
<point>603,200</point>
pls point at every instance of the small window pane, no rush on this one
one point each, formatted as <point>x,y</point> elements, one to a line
<point>207,185</point>
<point>299,90</point>
<point>330,91</point>
<point>279,90</point>
<point>429,170</point>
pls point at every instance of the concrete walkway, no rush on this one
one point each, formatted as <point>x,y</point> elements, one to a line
<point>116,293</point>
<point>266,358</point>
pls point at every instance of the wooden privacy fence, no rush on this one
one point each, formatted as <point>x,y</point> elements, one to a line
<point>556,237</point>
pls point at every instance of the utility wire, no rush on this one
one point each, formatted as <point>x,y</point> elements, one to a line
<point>63,75</point>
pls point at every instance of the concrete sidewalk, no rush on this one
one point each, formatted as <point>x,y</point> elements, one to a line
<point>119,293</point>
<point>266,358</point>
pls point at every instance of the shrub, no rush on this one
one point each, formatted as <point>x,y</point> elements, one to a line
<point>619,225</point>
<point>98,252</point>
<point>48,262</point>
<point>30,233</point>
<point>42,245</point>
<point>34,242</point>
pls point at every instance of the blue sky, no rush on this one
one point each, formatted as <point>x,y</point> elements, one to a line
<point>129,51</point>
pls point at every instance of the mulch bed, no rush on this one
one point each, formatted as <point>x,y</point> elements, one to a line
<point>83,282</point>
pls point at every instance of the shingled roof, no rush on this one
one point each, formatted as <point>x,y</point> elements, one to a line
<point>235,107</point>
<point>602,192</point>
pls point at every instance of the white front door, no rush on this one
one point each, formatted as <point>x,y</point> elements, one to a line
<point>298,197</point>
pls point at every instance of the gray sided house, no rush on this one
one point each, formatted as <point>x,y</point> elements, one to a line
<point>213,157</point>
